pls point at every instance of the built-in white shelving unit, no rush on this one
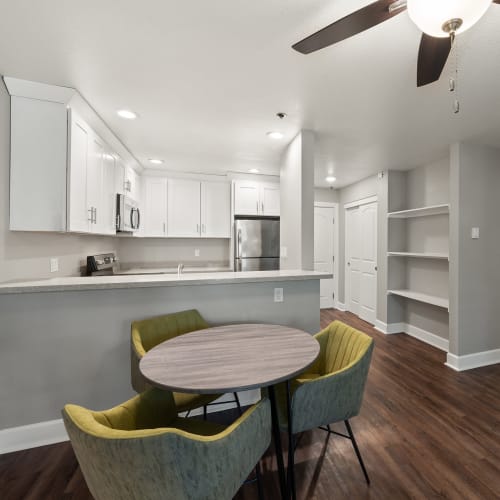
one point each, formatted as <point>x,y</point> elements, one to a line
<point>422,297</point>
<point>420,255</point>
<point>420,212</point>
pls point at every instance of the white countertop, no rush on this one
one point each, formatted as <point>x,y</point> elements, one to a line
<point>156,280</point>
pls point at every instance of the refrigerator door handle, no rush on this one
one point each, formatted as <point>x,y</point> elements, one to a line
<point>238,248</point>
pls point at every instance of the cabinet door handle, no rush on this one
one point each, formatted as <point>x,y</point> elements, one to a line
<point>257,207</point>
<point>91,214</point>
<point>95,215</point>
<point>262,207</point>
<point>198,228</point>
<point>164,228</point>
<point>203,228</point>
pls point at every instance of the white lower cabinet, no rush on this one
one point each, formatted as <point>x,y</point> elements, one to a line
<point>154,207</point>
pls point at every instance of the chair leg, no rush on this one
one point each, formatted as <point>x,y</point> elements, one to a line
<point>258,475</point>
<point>356,449</point>
<point>291,447</point>
<point>204,412</point>
<point>237,401</point>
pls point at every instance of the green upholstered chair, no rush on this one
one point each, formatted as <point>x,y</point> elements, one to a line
<point>142,450</point>
<point>332,388</point>
<point>148,333</point>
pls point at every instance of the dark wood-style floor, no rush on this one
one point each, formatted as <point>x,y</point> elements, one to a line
<point>424,431</point>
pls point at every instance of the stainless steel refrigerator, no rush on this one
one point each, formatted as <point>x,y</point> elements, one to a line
<point>257,244</point>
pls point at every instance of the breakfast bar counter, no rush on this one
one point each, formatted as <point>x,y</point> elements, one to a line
<point>68,339</point>
<point>148,280</point>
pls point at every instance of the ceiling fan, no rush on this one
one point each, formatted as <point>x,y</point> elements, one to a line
<point>439,20</point>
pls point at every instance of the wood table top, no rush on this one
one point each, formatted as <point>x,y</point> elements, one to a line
<point>229,358</point>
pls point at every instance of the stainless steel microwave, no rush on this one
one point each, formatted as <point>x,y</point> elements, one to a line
<point>128,215</point>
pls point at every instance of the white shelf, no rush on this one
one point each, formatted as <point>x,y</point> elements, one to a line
<point>421,297</point>
<point>420,255</point>
<point>420,212</point>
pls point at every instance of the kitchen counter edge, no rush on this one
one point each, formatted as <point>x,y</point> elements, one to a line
<point>156,280</point>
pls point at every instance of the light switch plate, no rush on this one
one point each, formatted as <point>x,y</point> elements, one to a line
<point>475,233</point>
<point>196,252</point>
<point>278,295</point>
<point>54,264</point>
<point>284,252</point>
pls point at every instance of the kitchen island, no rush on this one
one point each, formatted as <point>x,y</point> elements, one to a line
<point>68,339</point>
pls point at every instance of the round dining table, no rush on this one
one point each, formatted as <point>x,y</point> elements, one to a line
<point>234,358</point>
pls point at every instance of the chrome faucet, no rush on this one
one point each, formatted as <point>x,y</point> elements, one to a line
<point>180,268</point>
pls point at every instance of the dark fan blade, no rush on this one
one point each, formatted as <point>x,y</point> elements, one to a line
<point>354,23</point>
<point>432,57</point>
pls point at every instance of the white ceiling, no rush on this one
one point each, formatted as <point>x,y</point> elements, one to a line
<point>208,76</point>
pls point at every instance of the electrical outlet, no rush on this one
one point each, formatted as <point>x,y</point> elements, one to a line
<point>284,252</point>
<point>54,264</point>
<point>278,295</point>
<point>196,252</point>
<point>475,233</point>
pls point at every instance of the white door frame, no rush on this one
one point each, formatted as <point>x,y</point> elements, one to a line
<point>353,204</point>
<point>336,233</point>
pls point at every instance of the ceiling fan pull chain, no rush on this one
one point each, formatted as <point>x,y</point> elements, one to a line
<point>456,102</point>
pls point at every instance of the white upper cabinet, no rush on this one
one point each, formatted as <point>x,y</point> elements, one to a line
<point>38,147</point>
<point>246,198</point>
<point>270,199</point>
<point>154,207</point>
<point>215,210</point>
<point>91,181</point>
<point>183,208</point>
<point>63,162</point>
<point>108,192</point>
<point>79,216</point>
<point>256,198</point>
<point>132,184</point>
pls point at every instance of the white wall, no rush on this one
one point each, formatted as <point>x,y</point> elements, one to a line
<point>297,203</point>
<point>154,252</point>
<point>27,255</point>
<point>474,269</point>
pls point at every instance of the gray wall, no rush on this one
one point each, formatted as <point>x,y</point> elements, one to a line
<point>326,195</point>
<point>475,273</point>
<point>297,203</point>
<point>65,347</point>
<point>371,186</point>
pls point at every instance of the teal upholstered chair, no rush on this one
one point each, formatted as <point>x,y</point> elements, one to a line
<point>142,450</point>
<point>150,332</point>
<point>332,388</point>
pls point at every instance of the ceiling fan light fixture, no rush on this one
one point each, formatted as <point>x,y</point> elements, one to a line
<point>434,18</point>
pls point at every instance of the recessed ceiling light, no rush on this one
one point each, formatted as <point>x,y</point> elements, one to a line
<point>254,170</point>
<point>127,114</point>
<point>275,135</point>
<point>155,161</point>
<point>330,179</point>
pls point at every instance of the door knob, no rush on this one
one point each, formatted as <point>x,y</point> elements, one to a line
<point>348,263</point>
<point>376,268</point>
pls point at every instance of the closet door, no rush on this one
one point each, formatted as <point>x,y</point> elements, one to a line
<point>361,260</point>
<point>368,262</point>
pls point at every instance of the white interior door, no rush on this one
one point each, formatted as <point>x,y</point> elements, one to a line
<point>361,261</point>
<point>353,259</point>
<point>323,252</point>
<point>368,262</point>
